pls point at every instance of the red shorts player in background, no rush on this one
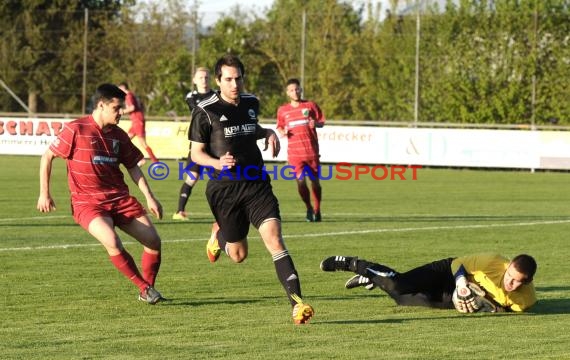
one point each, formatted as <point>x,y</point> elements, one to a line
<point>298,121</point>
<point>94,147</point>
<point>134,108</point>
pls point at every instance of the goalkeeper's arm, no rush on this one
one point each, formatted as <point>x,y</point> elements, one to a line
<point>466,297</point>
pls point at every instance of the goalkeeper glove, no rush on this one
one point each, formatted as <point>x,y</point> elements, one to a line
<point>465,297</point>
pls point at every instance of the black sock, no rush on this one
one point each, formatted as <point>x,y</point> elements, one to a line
<point>362,267</point>
<point>185,192</point>
<point>287,274</point>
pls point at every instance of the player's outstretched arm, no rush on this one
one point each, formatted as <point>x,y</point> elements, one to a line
<point>282,132</point>
<point>319,118</point>
<point>200,156</point>
<point>152,202</point>
<point>45,202</point>
<point>272,141</point>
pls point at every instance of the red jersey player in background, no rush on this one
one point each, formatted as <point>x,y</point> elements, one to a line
<point>298,121</point>
<point>94,147</point>
<point>134,108</point>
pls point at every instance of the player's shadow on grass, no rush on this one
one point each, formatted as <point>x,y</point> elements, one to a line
<point>543,307</point>
<point>552,306</point>
<point>186,302</point>
<point>454,315</point>
<point>208,221</point>
<point>371,321</point>
<point>372,294</point>
<point>429,218</point>
<point>552,288</point>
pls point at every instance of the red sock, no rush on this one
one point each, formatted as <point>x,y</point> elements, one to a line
<point>125,263</point>
<point>150,264</point>
<point>317,191</point>
<point>305,194</point>
<point>151,154</point>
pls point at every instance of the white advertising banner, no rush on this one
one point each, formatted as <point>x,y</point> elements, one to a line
<point>457,147</point>
<point>554,149</point>
<point>443,147</point>
<point>350,144</point>
<point>28,136</point>
<point>31,136</point>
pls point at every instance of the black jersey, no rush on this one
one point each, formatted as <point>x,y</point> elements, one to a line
<point>193,98</point>
<point>225,127</point>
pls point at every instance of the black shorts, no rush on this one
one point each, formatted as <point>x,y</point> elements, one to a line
<point>237,204</point>
<point>434,281</point>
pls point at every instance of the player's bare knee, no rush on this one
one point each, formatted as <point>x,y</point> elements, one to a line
<point>151,251</point>
<point>238,258</point>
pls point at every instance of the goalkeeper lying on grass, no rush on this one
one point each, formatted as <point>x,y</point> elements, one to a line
<point>485,282</point>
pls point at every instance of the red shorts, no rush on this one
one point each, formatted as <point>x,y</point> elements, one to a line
<point>122,211</point>
<point>137,129</point>
<point>305,167</point>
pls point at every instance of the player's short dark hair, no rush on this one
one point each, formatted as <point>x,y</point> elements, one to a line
<point>228,60</point>
<point>124,84</point>
<point>293,81</point>
<point>107,92</point>
<point>525,264</point>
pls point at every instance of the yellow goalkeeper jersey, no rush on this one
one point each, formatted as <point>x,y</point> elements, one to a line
<point>487,271</point>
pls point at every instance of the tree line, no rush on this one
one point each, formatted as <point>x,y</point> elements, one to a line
<point>467,61</point>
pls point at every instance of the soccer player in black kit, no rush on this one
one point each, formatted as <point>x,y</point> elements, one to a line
<point>224,134</point>
<point>201,81</point>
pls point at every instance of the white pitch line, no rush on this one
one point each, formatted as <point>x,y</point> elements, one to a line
<point>297,236</point>
<point>75,246</point>
<point>7,220</point>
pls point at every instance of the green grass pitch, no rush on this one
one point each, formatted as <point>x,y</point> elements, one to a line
<point>62,299</point>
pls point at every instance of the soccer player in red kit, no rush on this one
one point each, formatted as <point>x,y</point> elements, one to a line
<point>94,147</point>
<point>298,121</point>
<point>134,108</point>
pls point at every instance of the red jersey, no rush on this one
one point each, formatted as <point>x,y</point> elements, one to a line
<point>137,115</point>
<point>93,158</point>
<point>303,140</point>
